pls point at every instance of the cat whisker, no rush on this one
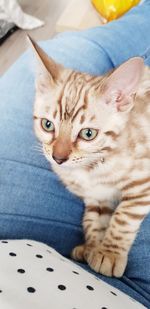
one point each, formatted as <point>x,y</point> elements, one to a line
<point>98,156</point>
<point>38,148</point>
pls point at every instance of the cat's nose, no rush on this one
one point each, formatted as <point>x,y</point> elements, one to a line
<point>59,160</point>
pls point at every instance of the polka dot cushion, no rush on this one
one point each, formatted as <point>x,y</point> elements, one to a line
<point>35,276</point>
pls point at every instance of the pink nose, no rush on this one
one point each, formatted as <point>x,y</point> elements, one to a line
<point>59,160</point>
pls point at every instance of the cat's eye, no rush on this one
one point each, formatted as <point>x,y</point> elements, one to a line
<point>47,125</point>
<point>88,134</point>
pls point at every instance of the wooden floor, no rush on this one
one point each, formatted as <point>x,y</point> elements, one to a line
<point>47,10</point>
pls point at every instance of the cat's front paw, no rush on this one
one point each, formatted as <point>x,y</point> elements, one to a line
<point>81,252</point>
<point>78,253</point>
<point>107,263</point>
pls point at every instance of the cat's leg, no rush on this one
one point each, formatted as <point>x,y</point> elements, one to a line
<point>110,257</point>
<point>95,222</point>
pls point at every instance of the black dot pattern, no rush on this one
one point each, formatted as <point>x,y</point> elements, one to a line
<point>31,289</point>
<point>51,279</point>
<point>75,272</point>
<point>113,293</point>
<point>21,271</point>
<point>90,288</point>
<point>49,269</point>
<point>49,251</point>
<point>61,287</point>
<point>39,256</point>
<point>12,254</point>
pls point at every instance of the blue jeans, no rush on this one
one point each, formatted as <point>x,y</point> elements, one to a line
<point>33,202</point>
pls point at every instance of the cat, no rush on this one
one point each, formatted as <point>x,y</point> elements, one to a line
<point>95,132</point>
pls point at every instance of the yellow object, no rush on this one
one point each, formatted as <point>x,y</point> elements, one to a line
<point>112,9</point>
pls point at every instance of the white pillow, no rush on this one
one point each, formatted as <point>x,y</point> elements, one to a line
<point>35,276</point>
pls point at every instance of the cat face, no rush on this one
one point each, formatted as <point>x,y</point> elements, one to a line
<point>77,117</point>
<point>71,123</point>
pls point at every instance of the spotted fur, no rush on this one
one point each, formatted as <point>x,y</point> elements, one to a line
<point>110,173</point>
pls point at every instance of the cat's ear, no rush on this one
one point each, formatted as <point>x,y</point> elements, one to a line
<point>122,84</point>
<point>48,71</point>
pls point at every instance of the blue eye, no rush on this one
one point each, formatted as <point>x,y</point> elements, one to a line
<point>47,125</point>
<point>88,134</point>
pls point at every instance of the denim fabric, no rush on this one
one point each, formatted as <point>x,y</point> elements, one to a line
<point>33,202</point>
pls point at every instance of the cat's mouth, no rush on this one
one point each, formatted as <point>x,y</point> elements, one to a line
<point>62,162</point>
<point>75,162</point>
